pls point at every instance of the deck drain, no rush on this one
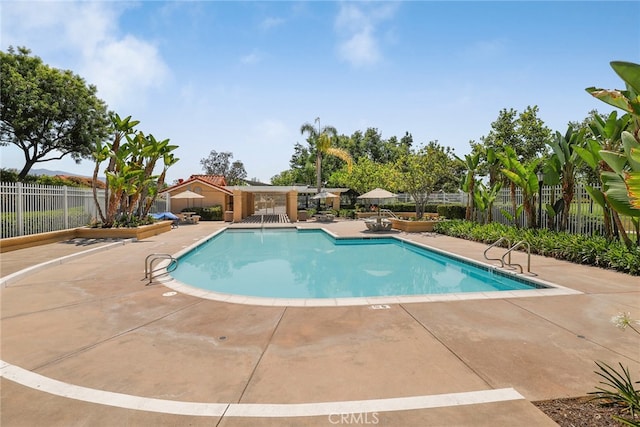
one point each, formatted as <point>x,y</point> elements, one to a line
<point>380,307</point>
<point>169,294</point>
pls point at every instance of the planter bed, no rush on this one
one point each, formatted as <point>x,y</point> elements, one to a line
<point>138,233</point>
<point>412,226</point>
<point>362,215</point>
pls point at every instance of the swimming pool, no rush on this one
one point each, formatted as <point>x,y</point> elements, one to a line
<point>312,264</point>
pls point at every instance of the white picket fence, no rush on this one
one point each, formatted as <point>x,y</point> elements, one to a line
<point>585,216</point>
<point>32,208</point>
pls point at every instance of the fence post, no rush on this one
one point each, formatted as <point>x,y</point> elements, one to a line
<point>579,213</point>
<point>65,204</point>
<point>19,209</point>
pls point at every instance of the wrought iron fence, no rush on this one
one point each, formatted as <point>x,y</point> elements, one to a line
<point>32,208</point>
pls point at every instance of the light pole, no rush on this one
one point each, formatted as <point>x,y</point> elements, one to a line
<point>540,176</point>
<point>318,163</point>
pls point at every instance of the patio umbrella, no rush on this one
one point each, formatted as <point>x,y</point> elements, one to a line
<point>378,194</point>
<point>188,195</point>
<point>324,195</point>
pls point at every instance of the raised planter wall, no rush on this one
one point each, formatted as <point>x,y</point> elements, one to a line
<point>361,215</point>
<point>138,233</point>
<point>412,226</point>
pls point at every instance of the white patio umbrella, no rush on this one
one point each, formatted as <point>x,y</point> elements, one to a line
<point>378,194</point>
<point>324,195</point>
<point>188,194</point>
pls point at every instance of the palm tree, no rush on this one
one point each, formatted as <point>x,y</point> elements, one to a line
<point>322,138</point>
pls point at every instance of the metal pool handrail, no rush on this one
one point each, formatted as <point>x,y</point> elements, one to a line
<point>496,243</point>
<point>514,247</point>
<point>148,265</point>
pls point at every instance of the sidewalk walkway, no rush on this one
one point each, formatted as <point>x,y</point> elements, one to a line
<point>86,342</point>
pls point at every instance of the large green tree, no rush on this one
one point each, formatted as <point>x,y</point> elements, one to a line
<point>46,112</point>
<point>221,164</point>
<point>525,133</point>
<point>367,174</point>
<point>419,173</point>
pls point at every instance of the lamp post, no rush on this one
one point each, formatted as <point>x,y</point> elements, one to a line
<point>540,176</point>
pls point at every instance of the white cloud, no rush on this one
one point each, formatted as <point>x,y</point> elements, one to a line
<point>123,70</point>
<point>271,22</point>
<point>360,49</point>
<point>357,26</point>
<point>84,37</point>
<point>251,58</point>
<point>487,49</point>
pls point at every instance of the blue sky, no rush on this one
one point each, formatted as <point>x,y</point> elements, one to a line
<point>244,76</point>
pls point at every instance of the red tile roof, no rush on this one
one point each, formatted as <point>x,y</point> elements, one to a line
<point>212,179</point>
<point>216,181</point>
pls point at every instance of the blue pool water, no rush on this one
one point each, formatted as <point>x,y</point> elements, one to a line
<point>312,264</point>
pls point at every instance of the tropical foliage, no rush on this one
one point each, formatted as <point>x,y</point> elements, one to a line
<point>576,248</point>
<point>618,158</point>
<point>132,183</point>
<point>562,167</point>
<point>321,142</point>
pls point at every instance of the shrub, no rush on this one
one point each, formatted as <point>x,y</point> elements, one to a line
<point>400,207</point>
<point>211,213</point>
<point>451,211</point>
<point>347,213</point>
<point>580,249</point>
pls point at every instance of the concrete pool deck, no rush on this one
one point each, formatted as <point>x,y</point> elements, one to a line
<point>86,342</point>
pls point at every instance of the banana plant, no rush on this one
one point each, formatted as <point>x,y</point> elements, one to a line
<point>608,136</point>
<point>618,183</point>
<point>154,152</point>
<point>485,198</point>
<point>523,176</point>
<point>131,182</point>
<point>470,163</point>
<point>100,154</point>
<point>563,165</point>
<point>151,151</point>
<point>627,100</point>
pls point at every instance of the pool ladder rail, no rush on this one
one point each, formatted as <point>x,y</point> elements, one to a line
<point>507,254</point>
<point>148,266</point>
